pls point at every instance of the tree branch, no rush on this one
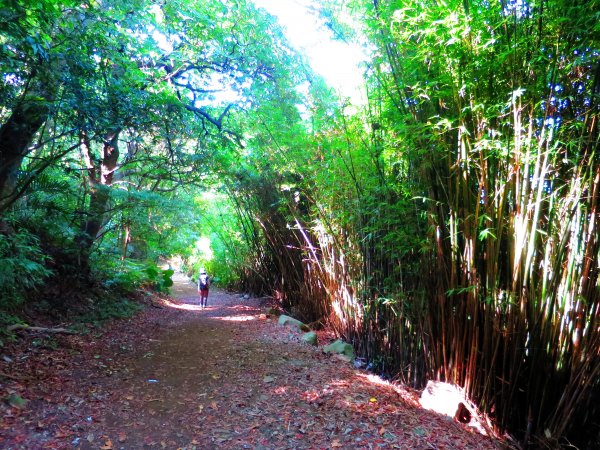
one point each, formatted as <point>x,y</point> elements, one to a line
<point>218,122</point>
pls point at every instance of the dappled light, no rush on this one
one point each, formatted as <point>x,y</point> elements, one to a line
<point>281,390</point>
<point>182,306</point>
<point>237,308</point>
<point>236,318</point>
<point>238,313</point>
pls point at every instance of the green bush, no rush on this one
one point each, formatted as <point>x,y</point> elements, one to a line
<point>129,275</point>
<point>161,279</point>
<point>22,267</point>
<point>108,307</point>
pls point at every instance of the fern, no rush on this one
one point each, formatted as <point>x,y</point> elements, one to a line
<point>22,267</point>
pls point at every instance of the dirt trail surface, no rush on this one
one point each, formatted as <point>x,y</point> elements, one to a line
<point>224,377</point>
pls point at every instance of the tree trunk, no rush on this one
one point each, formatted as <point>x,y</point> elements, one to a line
<point>99,182</point>
<point>125,242</point>
<point>16,135</point>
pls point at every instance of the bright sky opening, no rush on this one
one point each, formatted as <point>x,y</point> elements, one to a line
<point>338,62</point>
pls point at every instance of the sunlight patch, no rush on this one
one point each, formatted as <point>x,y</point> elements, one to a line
<point>405,394</point>
<point>375,379</point>
<point>237,318</point>
<point>183,306</point>
<point>281,390</point>
<point>243,308</point>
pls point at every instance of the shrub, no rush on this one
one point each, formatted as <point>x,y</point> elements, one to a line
<point>22,267</point>
<point>128,275</point>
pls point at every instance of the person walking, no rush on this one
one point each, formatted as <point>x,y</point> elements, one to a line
<point>203,284</point>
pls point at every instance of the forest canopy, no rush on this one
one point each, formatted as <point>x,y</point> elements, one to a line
<point>447,228</point>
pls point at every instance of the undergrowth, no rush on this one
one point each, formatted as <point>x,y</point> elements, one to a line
<point>109,308</point>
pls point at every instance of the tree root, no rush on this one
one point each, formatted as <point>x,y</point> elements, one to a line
<point>39,329</point>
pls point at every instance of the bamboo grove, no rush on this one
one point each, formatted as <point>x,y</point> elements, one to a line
<point>448,227</point>
<point>505,96</point>
<point>450,230</point>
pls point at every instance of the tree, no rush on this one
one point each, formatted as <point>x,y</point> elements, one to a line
<point>33,72</point>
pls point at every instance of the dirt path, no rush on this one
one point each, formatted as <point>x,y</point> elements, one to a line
<point>224,377</point>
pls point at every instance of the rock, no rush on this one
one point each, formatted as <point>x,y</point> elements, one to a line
<point>273,312</point>
<point>341,348</point>
<point>287,320</point>
<point>446,399</point>
<point>359,363</point>
<point>463,415</point>
<point>310,338</point>
<point>246,297</point>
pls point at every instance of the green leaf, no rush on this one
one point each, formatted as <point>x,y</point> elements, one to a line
<point>16,401</point>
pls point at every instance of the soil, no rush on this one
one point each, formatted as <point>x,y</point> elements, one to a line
<point>177,376</point>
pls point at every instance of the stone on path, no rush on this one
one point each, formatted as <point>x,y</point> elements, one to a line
<point>340,347</point>
<point>287,320</point>
<point>310,338</point>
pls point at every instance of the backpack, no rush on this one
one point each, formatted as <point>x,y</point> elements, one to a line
<point>203,281</point>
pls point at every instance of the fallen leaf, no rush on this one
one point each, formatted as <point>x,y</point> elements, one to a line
<point>62,433</point>
<point>213,405</point>
<point>16,401</point>
<point>419,431</point>
<point>373,400</point>
<point>108,445</point>
<point>336,444</point>
<point>268,379</point>
<point>122,436</point>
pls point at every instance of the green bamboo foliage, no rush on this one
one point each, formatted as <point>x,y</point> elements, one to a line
<point>452,231</point>
<point>498,101</point>
<point>356,244</point>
